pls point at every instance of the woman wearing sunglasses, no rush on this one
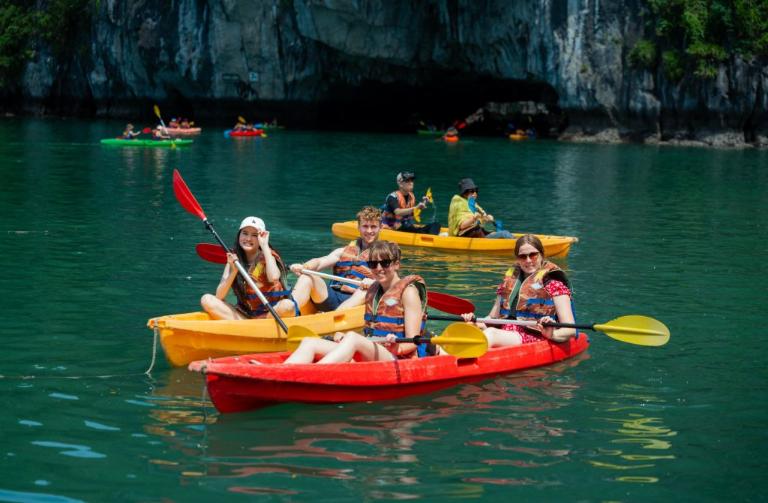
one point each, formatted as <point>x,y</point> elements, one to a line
<point>535,289</point>
<point>395,308</point>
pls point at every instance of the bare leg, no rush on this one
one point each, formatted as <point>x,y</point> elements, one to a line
<point>309,287</point>
<point>498,337</point>
<point>319,289</point>
<point>285,308</point>
<point>301,290</point>
<point>356,343</point>
<point>309,349</point>
<point>218,309</point>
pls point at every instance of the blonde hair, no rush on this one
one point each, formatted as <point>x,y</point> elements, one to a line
<point>369,213</point>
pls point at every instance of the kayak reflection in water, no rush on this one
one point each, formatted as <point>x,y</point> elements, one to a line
<point>267,271</point>
<point>395,308</point>
<point>535,289</point>
<point>347,262</point>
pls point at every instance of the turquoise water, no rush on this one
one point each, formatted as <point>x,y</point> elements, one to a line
<point>93,243</point>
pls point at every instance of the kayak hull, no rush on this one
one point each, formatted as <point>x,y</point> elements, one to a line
<point>176,142</point>
<point>430,132</point>
<point>238,134</point>
<point>235,384</point>
<point>554,246</point>
<point>195,336</point>
<point>184,131</point>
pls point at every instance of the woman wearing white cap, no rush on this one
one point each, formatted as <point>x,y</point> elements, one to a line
<point>267,271</point>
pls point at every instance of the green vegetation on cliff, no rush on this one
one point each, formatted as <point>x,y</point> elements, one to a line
<point>696,36</point>
<point>57,23</point>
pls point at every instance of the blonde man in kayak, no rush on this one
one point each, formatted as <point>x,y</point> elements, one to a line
<point>348,262</point>
<point>395,308</point>
<point>535,289</point>
<point>252,250</point>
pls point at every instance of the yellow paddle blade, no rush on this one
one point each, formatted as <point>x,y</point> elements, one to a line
<point>297,333</point>
<point>428,195</point>
<point>240,119</point>
<point>636,329</point>
<point>462,340</point>
<point>157,111</point>
<point>417,214</point>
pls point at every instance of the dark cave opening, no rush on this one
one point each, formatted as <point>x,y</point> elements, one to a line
<point>441,102</point>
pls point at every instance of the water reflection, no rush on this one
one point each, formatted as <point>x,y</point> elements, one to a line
<point>503,431</point>
<point>643,438</point>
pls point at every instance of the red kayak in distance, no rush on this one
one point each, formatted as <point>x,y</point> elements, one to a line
<point>235,384</point>
<point>255,132</point>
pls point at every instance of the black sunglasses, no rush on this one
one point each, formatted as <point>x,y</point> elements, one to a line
<point>374,264</point>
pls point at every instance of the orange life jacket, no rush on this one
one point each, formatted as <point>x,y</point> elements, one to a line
<point>533,300</point>
<point>352,264</point>
<point>389,220</point>
<point>385,314</point>
<point>274,291</point>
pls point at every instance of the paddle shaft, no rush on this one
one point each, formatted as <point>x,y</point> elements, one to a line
<point>523,323</point>
<point>331,276</point>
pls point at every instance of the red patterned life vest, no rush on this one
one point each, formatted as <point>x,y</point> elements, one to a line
<point>389,220</point>
<point>352,264</point>
<point>384,312</point>
<point>274,291</point>
<point>533,300</point>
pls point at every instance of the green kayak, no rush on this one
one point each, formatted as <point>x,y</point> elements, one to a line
<point>146,143</point>
<point>429,132</point>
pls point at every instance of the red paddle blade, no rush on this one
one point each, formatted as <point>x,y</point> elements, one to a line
<point>211,253</point>
<point>449,304</point>
<point>185,197</point>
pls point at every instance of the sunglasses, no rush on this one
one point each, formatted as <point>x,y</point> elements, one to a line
<point>524,256</point>
<point>374,264</point>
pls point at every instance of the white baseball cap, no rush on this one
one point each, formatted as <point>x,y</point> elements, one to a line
<point>254,222</point>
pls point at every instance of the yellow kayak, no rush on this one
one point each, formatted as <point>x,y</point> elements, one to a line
<point>195,336</point>
<point>554,246</point>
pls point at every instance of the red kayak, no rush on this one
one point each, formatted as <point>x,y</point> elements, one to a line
<point>254,132</point>
<point>235,384</point>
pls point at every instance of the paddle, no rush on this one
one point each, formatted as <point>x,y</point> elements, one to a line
<point>633,329</point>
<point>458,339</point>
<point>157,112</point>
<point>188,201</point>
<point>436,300</point>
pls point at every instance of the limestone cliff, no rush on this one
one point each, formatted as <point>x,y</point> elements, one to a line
<point>458,55</point>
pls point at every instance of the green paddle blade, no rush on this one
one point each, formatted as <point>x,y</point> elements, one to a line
<point>636,329</point>
<point>462,340</point>
<point>297,333</point>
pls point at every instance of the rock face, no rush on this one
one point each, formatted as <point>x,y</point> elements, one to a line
<point>452,54</point>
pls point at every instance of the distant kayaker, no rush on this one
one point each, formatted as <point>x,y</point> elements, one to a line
<point>267,270</point>
<point>395,308</point>
<point>466,217</point>
<point>535,289</point>
<point>348,262</point>
<point>452,134</point>
<point>185,124</point>
<point>160,133</point>
<point>400,205</point>
<point>129,133</point>
<point>173,123</point>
